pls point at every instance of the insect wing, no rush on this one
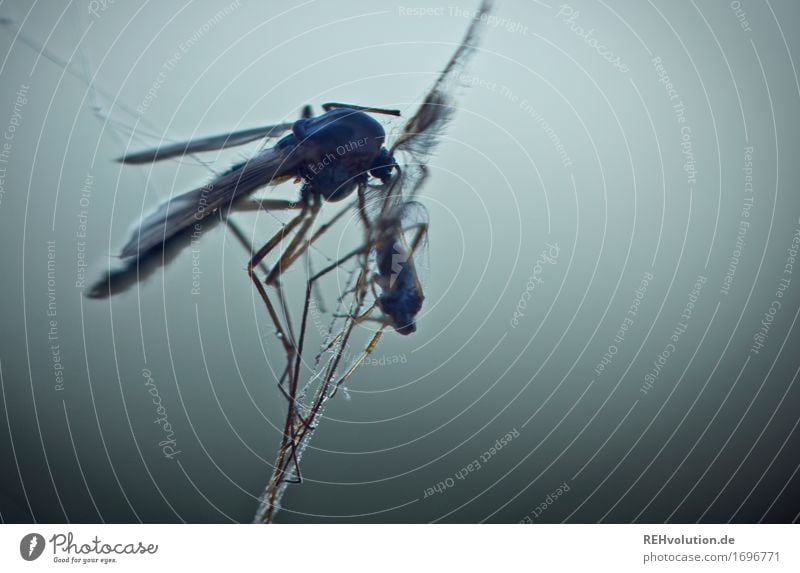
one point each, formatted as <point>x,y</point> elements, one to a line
<point>421,132</point>
<point>202,144</point>
<point>183,211</point>
<point>414,218</point>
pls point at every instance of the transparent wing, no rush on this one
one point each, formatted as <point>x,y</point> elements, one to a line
<point>202,144</point>
<point>420,133</point>
<point>414,219</point>
<point>179,213</point>
<point>129,272</point>
<point>414,216</point>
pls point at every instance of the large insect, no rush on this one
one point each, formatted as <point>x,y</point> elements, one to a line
<point>392,256</point>
<point>333,155</point>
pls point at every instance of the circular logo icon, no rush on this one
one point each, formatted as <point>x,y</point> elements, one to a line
<point>31,546</point>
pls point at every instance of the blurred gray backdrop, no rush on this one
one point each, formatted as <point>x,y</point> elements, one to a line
<point>612,287</point>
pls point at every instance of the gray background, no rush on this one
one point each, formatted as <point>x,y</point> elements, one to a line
<point>713,440</point>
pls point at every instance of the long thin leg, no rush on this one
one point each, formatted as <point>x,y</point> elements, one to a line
<point>333,365</point>
<point>266,204</point>
<point>243,240</point>
<point>255,205</point>
<point>290,439</point>
<point>361,203</point>
<point>317,234</point>
<point>255,261</point>
<point>358,319</point>
<point>317,292</point>
<point>288,344</point>
<point>283,262</point>
<point>294,435</point>
<point>293,252</point>
<point>309,289</point>
<point>266,249</point>
<point>304,249</point>
<point>291,394</point>
<point>367,351</point>
<point>272,491</point>
<point>303,424</point>
<point>362,210</point>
